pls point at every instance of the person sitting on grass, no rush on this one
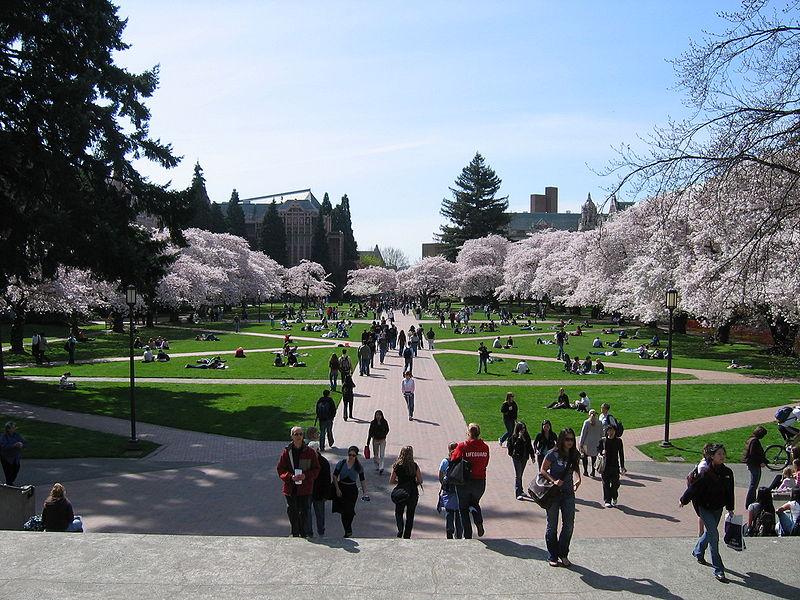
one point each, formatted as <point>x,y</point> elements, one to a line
<point>736,365</point>
<point>586,366</point>
<point>578,331</point>
<point>148,355</point>
<point>509,343</point>
<point>162,356</point>
<point>64,383</point>
<point>497,343</point>
<point>239,353</point>
<point>208,363</point>
<point>583,404</point>
<point>599,367</point>
<point>561,402</point>
<point>576,368</point>
<point>293,362</point>
<point>618,343</point>
<point>597,342</point>
<point>643,352</point>
<point>567,363</point>
<point>137,343</point>
<point>522,368</point>
<point>278,362</point>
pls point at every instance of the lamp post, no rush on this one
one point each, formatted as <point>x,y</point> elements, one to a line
<point>130,299</point>
<point>671,302</point>
<point>259,306</point>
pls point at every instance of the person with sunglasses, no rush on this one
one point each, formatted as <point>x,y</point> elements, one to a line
<point>346,476</point>
<point>298,467</point>
<point>561,466</point>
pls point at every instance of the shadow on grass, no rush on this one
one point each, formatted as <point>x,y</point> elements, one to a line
<point>221,410</point>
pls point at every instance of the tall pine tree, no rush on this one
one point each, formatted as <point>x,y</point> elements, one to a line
<point>474,211</point>
<point>235,217</point>
<point>319,243</point>
<point>273,236</point>
<point>341,221</point>
<point>327,207</point>
<point>217,222</point>
<point>200,203</point>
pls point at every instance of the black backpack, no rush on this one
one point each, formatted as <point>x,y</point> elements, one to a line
<point>763,525</point>
<point>324,411</point>
<point>459,472</point>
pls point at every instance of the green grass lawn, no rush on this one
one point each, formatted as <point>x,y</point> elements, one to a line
<point>50,440</point>
<point>257,365</point>
<point>691,448</point>
<point>690,351</point>
<point>253,412</point>
<point>463,367</point>
<point>635,405</point>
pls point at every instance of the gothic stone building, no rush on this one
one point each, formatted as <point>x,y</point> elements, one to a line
<point>298,210</point>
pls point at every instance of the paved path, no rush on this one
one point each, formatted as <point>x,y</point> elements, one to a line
<point>234,482</point>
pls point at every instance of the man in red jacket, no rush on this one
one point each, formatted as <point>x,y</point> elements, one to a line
<point>476,452</point>
<point>298,467</point>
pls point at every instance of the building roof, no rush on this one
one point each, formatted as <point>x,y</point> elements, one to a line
<point>526,221</point>
<point>255,208</point>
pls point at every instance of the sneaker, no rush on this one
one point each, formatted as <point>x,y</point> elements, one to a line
<point>479,527</point>
<point>721,578</point>
<point>520,497</point>
<point>410,418</point>
<point>565,562</point>
<point>553,563</point>
<point>613,503</point>
<point>607,505</point>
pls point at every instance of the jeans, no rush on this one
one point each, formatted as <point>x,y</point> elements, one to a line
<point>430,343</point>
<point>509,423</point>
<point>482,362</point>
<point>469,497</point>
<point>325,427</point>
<point>363,366</point>
<point>710,537</point>
<point>409,403</point>
<point>610,486</point>
<point>558,545</point>
<point>414,347</point>
<point>519,469</point>
<point>334,376</point>
<point>786,523</point>
<point>409,365</point>
<point>319,513</point>
<point>400,349</point>
<point>560,351</point>
<point>382,350</point>
<point>752,489</point>
<point>409,508</point>
<point>453,524</point>
<point>11,470</point>
<point>297,509</point>
<point>378,452</point>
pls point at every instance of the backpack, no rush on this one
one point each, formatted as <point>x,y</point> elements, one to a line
<point>620,427</point>
<point>692,477</point>
<point>459,471</point>
<point>763,525</point>
<point>324,411</point>
<point>783,413</point>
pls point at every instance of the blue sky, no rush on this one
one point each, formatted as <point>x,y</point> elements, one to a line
<point>387,102</point>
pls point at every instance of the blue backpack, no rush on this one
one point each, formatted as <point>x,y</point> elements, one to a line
<point>783,413</point>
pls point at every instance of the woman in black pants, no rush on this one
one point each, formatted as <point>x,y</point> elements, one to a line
<point>611,447</point>
<point>346,476</point>
<point>544,441</point>
<point>754,458</point>
<point>406,475</point>
<point>347,395</point>
<point>520,449</point>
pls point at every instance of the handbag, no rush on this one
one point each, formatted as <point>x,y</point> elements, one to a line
<point>366,452</point>
<point>601,463</point>
<point>733,533</point>
<point>459,472</point>
<point>543,491</point>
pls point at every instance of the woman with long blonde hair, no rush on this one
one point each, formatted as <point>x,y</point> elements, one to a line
<point>407,478</point>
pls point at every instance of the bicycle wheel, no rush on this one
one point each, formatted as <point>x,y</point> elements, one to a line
<point>777,457</point>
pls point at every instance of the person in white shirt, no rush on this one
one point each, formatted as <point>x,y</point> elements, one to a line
<point>64,383</point>
<point>148,355</point>
<point>583,404</point>
<point>407,386</point>
<point>522,368</point>
<point>497,343</point>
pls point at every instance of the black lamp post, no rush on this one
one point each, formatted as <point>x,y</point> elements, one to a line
<point>130,299</point>
<point>671,302</point>
<point>259,306</point>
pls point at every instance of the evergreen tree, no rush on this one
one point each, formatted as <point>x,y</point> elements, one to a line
<point>200,203</point>
<point>319,244</point>
<point>341,221</point>
<point>474,212</point>
<point>327,207</point>
<point>273,236</point>
<point>216,221</point>
<point>235,217</point>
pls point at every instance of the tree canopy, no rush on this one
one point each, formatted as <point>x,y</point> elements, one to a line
<point>235,216</point>
<point>273,236</point>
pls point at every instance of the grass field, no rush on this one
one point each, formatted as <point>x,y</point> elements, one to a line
<point>463,367</point>
<point>690,351</point>
<point>691,448</point>
<point>252,412</point>
<point>50,440</point>
<point>636,406</point>
<point>257,365</point>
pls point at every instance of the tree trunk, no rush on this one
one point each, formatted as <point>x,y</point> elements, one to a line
<point>679,322</point>
<point>595,312</point>
<point>149,318</point>
<point>722,335</point>
<point>17,327</point>
<point>118,323</point>
<point>783,336</point>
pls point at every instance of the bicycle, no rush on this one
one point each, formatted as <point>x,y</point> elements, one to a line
<point>778,456</point>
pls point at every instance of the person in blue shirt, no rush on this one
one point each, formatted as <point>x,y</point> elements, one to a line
<point>11,445</point>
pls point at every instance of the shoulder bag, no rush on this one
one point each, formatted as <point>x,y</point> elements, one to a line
<point>543,491</point>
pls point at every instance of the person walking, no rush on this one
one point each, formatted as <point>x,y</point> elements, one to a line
<point>298,467</point>
<point>520,449</point>
<point>544,441</point>
<point>509,410</point>
<point>407,387</point>
<point>431,336</point>
<point>378,430</point>
<point>483,358</point>
<point>606,418</point>
<point>407,477</point>
<point>347,474</point>
<point>474,450</point>
<point>364,357</point>
<point>713,491</point>
<point>320,493</point>
<point>11,445</point>
<point>611,447</point>
<point>408,357</point>
<point>348,385</point>
<point>383,345</point>
<point>560,467</point>
<point>448,499</point>
<point>333,365</point>
<point>591,434</point>
<point>401,342</point>
<point>326,413</point>
<point>345,366</point>
<point>755,459</point>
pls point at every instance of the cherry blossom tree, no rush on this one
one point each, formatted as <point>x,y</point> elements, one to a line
<point>371,281</point>
<point>430,277</point>
<point>308,280</point>
<point>479,266</point>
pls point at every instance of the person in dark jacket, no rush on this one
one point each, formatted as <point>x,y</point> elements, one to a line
<point>322,491</point>
<point>326,413</point>
<point>520,449</point>
<point>11,445</point>
<point>348,385</point>
<point>713,491</point>
<point>406,474</point>
<point>611,447</point>
<point>755,459</point>
<point>298,467</point>
<point>57,514</point>
<point>378,430</point>
<point>509,410</point>
<point>544,441</point>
